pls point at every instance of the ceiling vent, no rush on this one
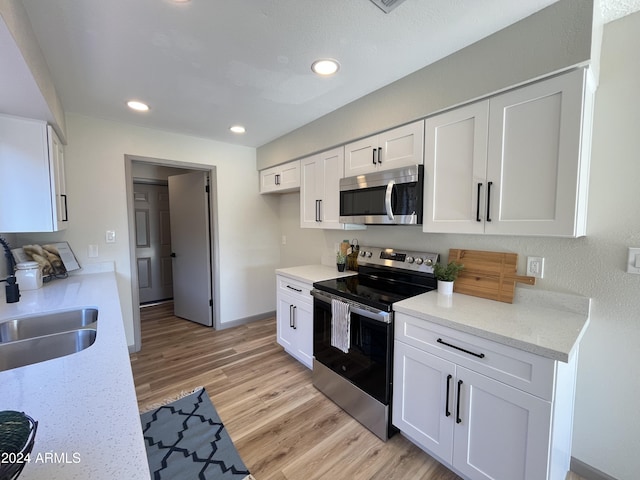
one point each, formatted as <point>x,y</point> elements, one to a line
<point>386,5</point>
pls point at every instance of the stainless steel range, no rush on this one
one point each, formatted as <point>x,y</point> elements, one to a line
<point>353,331</point>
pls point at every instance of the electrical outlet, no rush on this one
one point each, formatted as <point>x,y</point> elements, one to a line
<point>633,260</point>
<point>535,266</point>
<point>92,251</point>
<point>284,239</point>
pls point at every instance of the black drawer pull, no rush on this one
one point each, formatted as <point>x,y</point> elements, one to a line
<point>458,419</point>
<point>489,201</point>
<point>447,413</point>
<point>299,290</point>
<point>478,219</point>
<point>479,355</point>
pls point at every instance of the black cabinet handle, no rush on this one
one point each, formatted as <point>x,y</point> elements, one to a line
<point>479,355</point>
<point>295,327</point>
<point>489,201</point>
<point>373,155</point>
<point>317,210</point>
<point>478,219</point>
<point>458,419</point>
<point>447,413</point>
<point>277,179</point>
<point>380,155</point>
<point>291,316</point>
<point>294,288</point>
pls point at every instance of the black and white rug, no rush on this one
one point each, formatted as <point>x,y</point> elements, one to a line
<point>185,439</point>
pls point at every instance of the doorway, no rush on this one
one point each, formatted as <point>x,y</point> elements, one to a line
<point>173,260</point>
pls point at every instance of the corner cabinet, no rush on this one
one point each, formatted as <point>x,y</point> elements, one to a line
<point>281,178</point>
<point>33,177</point>
<point>294,319</point>
<point>395,148</point>
<point>486,410</point>
<point>320,177</point>
<point>515,164</point>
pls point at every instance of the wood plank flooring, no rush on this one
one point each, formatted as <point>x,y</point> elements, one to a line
<point>283,428</point>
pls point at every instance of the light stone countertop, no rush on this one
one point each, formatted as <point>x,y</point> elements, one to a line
<point>313,273</point>
<point>548,324</point>
<point>85,403</point>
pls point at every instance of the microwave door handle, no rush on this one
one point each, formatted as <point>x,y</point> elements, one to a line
<point>387,199</point>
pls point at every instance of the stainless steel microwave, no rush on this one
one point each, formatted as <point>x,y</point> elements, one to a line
<point>390,197</point>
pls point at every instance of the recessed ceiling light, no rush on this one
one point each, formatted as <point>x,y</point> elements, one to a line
<point>138,106</point>
<point>325,66</point>
<point>237,129</point>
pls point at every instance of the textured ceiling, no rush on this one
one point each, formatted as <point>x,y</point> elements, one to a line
<point>205,65</point>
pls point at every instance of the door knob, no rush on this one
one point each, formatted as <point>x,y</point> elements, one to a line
<point>173,255</point>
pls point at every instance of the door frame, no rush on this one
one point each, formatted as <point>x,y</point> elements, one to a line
<point>213,225</point>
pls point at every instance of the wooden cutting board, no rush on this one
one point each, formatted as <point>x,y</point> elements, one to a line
<point>491,275</point>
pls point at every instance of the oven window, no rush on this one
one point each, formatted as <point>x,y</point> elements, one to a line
<point>368,363</point>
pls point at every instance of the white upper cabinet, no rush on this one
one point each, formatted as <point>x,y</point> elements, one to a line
<point>455,165</point>
<point>320,177</point>
<point>535,144</point>
<point>33,194</point>
<point>395,148</point>
<point>281,178</point>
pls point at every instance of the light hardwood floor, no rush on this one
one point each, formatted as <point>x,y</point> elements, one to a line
<point>283,428</point>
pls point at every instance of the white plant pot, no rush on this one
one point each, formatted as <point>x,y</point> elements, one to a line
<point>445,288</point>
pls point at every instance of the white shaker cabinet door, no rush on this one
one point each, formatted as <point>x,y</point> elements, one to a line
<point>538,158</point>
<point>501,433</point>
<point>402,146</point>
<point>360,157</point>
<point>455,164</point>
<point>423,399</point>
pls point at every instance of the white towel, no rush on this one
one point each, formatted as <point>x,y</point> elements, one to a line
<point>340,325</point>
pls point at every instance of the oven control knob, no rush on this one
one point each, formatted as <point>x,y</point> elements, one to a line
<point>368,254</point>
<point>362,252</point>
<point>418,261</point>
<point>428,262</point>
<point>410,259</point>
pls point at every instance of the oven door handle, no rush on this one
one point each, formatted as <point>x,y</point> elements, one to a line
<point>387,199</point>
<point>362,310</point>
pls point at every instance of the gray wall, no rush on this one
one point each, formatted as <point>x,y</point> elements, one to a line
<point>551,40</point>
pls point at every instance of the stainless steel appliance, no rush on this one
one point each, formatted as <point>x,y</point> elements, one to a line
<point>387,197</point>
<point>359,378</point>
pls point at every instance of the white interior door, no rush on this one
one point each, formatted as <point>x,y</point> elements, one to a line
<point>190,239</point>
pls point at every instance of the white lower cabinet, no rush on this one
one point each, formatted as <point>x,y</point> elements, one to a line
<point>446,402</point>
<point>295,319</point>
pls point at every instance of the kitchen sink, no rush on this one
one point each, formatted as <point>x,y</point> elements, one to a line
<point>47,324</point>
<point>47,347</point>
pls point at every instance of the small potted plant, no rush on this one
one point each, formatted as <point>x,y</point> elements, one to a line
<point>446,275</point>
<point>341,260</point>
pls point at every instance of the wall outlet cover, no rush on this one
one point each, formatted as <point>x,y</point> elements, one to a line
<point>535,266</point>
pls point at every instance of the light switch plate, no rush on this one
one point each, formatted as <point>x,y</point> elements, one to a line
<point>110,236</point>
<point>633,261</point>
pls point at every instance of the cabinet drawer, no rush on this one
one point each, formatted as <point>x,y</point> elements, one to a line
<point>299,290</point>
<point>523,370</point>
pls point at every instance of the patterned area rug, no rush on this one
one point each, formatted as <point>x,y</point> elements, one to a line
<point>185,439</point>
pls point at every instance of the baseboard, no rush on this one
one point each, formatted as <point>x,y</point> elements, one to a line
<point>245,320</point>
<point>587,471</point>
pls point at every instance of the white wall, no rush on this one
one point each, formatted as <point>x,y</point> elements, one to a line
<point>607,422</point>
<point>248,222</point>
